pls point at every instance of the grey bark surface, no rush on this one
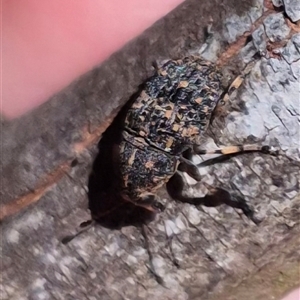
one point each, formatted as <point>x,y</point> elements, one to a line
<point>220,252</point>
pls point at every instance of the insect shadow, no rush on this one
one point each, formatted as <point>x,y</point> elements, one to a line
<point>107,207</point>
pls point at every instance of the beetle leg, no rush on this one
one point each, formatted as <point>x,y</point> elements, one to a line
<point>190,168</point>
<point>230,151</point>
<point>226,152</point>
<point>209,34</point>
<point>219,196</point>
<point>237,149</point>
<point>151,267</point>
<point>235,84</point>
<point>215,197</point>
<point>84,226</point>
<point>149,202</point>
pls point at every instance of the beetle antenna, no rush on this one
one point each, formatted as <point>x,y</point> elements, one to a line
<point>151,267</point>
<point>83,227</point>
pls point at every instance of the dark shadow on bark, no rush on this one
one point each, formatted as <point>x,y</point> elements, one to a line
<point>106,205</point>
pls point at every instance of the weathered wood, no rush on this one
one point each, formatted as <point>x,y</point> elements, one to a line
<point>220,252</point>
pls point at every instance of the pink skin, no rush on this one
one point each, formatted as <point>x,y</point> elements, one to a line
<point>294,295</point>
<point>47,44</point>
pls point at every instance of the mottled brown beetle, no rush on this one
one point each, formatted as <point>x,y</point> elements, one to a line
<point>161,129</point>
<point>165,122</point>
<point>169,117</point>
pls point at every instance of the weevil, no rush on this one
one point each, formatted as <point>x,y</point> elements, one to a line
<point>167,119</point>
<point>162,128</point>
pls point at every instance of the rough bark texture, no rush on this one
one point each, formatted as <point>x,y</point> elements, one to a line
<point>220,252</point>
